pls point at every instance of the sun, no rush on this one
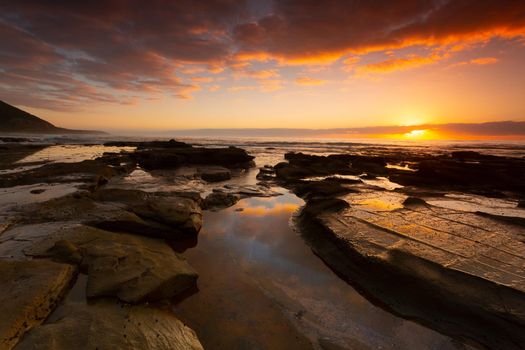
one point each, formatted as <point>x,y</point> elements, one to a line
<point>418,133</point>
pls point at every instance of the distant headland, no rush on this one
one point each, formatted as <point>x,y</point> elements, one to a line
<point>15,120</point>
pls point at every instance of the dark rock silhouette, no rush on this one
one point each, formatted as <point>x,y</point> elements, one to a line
<point>15,120</point>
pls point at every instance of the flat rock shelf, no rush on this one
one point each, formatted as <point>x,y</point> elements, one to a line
<point>458,260</point>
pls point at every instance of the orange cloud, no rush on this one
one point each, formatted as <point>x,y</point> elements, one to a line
<point>308,81</point>
<point>476,61</point>
<point>305,31</point>
<point>484,60</point>
<point>202,79</point>
<point>109,60</point>
<point>242,88</point>
<point>395,64</point>
<point>257,74</point>
<point>271,85</point>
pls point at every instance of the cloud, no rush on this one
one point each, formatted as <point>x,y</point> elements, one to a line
<point>396,64</point>
<point>481,61</point>
<point>270,85</point>
<point>302,30</point>
<point>308,81</point>
<point>484,60</point>
<point>202,79</point>
<point>242,88</point>
<point>257,74</point>
<point>66,54</point>
<point>117,49</point>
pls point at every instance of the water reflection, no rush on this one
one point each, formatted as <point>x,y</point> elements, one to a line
<point>382,182</point>
<point>71,153</point>
<point>262,287</point>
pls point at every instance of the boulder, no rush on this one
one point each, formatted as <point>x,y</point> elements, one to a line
<point>164,215</point>
<point>305,165</point>
<point>170,158</point>
<point>178,212</point>
<point>131,268</point>
<point>215,174</point>
<point>106,325</point>
<point>266,173</point>
<point>317,206</point>
<point>323,188</point>
<point>30,291</point>
<point>414,201</point>
<point>219,200</point>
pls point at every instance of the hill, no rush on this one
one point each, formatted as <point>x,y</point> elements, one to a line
<point>15,120</point>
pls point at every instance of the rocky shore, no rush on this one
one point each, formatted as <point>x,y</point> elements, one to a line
<point>119,240</point>
<point>439,239</point>
<point>97,246</point>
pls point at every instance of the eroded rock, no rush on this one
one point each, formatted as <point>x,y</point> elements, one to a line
<point>171,158</point>
<point>219,200</point>
<point>129,267</point>
<point>164,215</point>
<point>215,174</point>
<point>30,291</point>
<point>106,325</point>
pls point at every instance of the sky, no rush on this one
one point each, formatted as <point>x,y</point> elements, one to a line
<point>158,65</point>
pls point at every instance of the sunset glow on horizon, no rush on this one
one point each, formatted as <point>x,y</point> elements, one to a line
<point>174,65</point>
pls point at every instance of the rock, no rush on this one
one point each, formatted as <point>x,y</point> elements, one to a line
<point>215,174</point>
<point>131,268</point>
<point>372,164</point>
<point>289,172</point>
<point>521,204</point>
<point>467,269</point>
<point>324,188</point>
<point>178,212</point>
<point>468,155</point>
<point>30,291</point>
<point>37,191</point>
<point>106,325</point>
<point>315,207</point>
<point>219,200</point>
<point>470,173</point>
<point>171,158</point>
<point>149,144</point>
<point>245,191</point>
<point>67,252</point>
<point>304,165</point>
<point>86,171</point>
<point>414,201</point>
<point>266,173</point>
<point>11,153</point>
<point>169,216</point>
<point>353,344</point>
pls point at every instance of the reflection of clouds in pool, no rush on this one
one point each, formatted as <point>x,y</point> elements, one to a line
<point>261,242</point>
<point>275,210</point>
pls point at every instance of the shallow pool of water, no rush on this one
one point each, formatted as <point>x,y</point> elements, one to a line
<point>261,287</point>
<point>71,153</point>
